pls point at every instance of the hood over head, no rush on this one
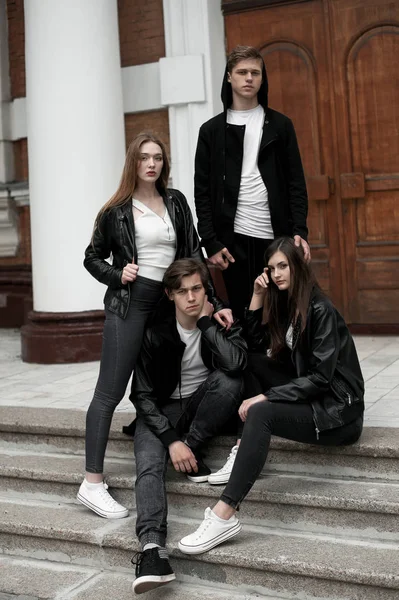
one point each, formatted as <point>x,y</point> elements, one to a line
<point>227,94</point>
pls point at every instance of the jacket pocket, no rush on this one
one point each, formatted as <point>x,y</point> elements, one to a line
<point>343,392</point>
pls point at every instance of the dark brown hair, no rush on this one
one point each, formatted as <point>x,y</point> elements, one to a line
<point>129,175</point>
<point>184,267</point>
<point>242,53</point>
<point>280,308</point>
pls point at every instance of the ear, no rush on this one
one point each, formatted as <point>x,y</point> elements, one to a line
<point>228,77</point>
<point>169,294</point>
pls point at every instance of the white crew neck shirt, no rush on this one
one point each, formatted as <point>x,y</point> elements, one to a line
<point>155,241</point>
<point>193,370</point>
<point>252,214</point>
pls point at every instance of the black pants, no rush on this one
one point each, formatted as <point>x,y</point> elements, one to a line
<point>239,276</point>
<point>290,420</point>
<point>197,419</point>
<point>122,340</point>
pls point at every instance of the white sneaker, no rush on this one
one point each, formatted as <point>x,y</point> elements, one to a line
<point>223,475</point>
<point>212,532</point>
<point>97,498</point>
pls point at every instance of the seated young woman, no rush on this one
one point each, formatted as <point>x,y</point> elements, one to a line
<point>304,381</point>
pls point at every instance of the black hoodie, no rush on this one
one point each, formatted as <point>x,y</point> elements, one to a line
<point>218,162</point>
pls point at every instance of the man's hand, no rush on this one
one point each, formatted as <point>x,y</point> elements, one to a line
<point>182,458</point>
<point>305,246</point>
<point>224,317</point>
<point>129,273</point>
<point>207,309</point>
<point>221,259</point>
<point>246,405</point>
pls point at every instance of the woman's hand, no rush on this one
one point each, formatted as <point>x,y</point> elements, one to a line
<point>261,283</point>
<point>129,273</point>
<point>260,287</point>
<point>224,317</point>
<point>246,405</point>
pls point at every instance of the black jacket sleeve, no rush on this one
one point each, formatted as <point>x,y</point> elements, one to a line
<point>202,194</point>
<point>144,398</point>
<point>298,196</point>
<point>324,351</point>
<point>98,250</point>
<point>229,350</point>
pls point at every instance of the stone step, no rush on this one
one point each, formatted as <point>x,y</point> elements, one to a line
<point>37,579</point>
<point>321,566</point>
<point>287,500</point>
<point>376,454</point>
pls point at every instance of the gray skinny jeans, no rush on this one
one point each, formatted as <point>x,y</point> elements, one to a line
<point>197,419</point>
<point>122,339</point>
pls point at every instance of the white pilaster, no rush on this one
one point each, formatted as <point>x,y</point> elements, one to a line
<point>6,150</point>
<point>75,141</point>
<point>192,29</point>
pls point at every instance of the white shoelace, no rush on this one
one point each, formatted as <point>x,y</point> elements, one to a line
<point>204,525</point>
<point>106,496</point>
<point>230,460</point>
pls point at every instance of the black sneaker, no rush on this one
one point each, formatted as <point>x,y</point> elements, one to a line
<point>152,570</point>
<point>203,471</point>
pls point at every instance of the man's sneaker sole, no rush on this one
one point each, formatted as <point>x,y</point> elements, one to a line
<point>215,479</point>
<point>199,479</point>
<point>222,537</point>
<point>101,513</point>
<point>150,582</point>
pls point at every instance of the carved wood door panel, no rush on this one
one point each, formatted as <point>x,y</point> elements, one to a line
<point>365,51</point>
<point>333,68</point>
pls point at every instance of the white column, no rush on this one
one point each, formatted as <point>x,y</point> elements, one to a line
<point>75,141</point>
<point>191,78</point>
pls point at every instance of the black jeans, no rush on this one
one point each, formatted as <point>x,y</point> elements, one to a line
<point>122,340</point>
<point>239,276</point>
<point>197,419</point>
<point>290,420</point>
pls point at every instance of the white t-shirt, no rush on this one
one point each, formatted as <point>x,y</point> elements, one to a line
<point>155,241</point>
<point>253,214</point>
<point>193,370</point>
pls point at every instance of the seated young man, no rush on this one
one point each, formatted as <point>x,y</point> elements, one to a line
<point>187,385</point>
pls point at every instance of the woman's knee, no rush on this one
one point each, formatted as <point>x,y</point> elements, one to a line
<point>256,361</point>
<point>261,411</point>
<point>105,402</point>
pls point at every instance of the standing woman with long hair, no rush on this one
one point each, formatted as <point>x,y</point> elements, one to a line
<point>304,381</point>
<point>145,227</point>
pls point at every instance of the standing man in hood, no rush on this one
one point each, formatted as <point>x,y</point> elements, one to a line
<point>249,182</point>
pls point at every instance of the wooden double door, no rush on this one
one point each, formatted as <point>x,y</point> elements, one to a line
<point>333,68</point>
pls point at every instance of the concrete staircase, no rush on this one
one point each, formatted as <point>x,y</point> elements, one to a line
<point>319,523</point>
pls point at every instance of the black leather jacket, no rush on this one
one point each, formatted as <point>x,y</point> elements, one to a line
<point>115,235</point>
<point>158,369</point>
<point>326,363</point>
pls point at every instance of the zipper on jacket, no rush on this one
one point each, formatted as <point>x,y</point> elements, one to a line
<point>317,430</point>
<point>267,144</point>
<point>349,399</point>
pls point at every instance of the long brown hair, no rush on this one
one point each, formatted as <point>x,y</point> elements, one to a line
<point>129,174</point>
<point>283,308</point>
